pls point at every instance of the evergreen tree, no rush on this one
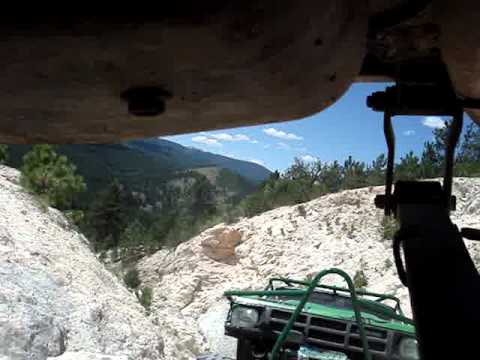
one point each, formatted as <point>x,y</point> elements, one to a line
<point>108,218</point>
<point>3,154</point>
<point>470,147</point>
<point>137,234</point>
<point>226,180</point>
<point>431,161</point>
<point>274,176</point>
<point>440,142</point>
<point>468,159</point>
<point>255,204</point>
<point>331,177</point>
<point>202,195</point>
<point>51,176</point>
<point>376,173</point>
<point>302,177</point>
<point>354,174</point>
<point>409,167</point>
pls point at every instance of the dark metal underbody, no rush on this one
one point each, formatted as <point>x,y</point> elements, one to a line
<point>217,64</point>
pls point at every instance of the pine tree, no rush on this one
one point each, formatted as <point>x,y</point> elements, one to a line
<point>354,174</point>
<point>302,178</point>
<point>376,172</point>
<point>51,176</point>
<point>331,177</point>
<point>470,148</point>
<point>440,141</point>
<point>3,154</point>
<point>137,234</point>
<point>468,159</point>
<point>108,217</point>
<point>202,195</point>
<point>409,167</point>
<point>431,161</point>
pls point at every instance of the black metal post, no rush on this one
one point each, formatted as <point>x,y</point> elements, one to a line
<point>443,282</point>
<point>452,141</point>
<point>390,138</point>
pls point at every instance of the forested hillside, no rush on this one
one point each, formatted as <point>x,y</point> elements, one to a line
<point>150,193</point>
<point>132,200</point>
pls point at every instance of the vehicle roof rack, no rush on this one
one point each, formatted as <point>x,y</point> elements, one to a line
<point>364,293</point>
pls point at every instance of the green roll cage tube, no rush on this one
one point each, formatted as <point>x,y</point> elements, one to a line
<point>306,293</point>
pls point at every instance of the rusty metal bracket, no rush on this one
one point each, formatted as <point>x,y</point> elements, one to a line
<point>418,99</point>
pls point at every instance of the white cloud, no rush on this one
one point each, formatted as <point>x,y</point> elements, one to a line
<point>230,137</point>
<point>409,133</point>
<point>283,146</point>
<point>223,137</point>
<point>281,134</point>
<point>434,122</point>
<point>217,139</point>
<point>258,162</point>
<point>226,137</point>
<point>206,141</point>
<point>308,158</point>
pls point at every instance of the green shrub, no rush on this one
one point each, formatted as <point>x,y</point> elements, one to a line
<point>3,154</point>
<point>146,298</point>
<point>136,234</point>
<point>388,264</point>
<point>131,279</point>
<point>51,176</point>
<point>360,280</point>
<point>229,217</point>
<point>75,216</point>
<point>302,211</point>
<point>102,256</point>
<point>389,226</point>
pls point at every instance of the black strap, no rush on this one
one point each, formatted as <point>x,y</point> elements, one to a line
<point>401,235</point>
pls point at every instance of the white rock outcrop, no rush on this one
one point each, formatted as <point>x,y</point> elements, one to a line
<point>339,230</point>
<point>56,299</point>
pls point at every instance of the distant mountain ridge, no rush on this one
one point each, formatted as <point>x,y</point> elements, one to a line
<point>189,158</point>
<point>143,164</point>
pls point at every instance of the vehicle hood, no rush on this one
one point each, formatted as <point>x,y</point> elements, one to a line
<point>327,311</point>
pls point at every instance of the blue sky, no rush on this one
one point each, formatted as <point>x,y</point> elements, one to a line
<point>346,128</point>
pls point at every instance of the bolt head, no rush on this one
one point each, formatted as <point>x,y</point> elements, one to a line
<point>146,101</point>
<point>380,201</point>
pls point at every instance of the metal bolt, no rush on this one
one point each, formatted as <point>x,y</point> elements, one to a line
<point>377,101</point>
<point>146,101</point>
<point>380,201</point>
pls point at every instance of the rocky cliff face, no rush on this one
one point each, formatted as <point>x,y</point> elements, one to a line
<point>58,302</point>
<point>340,230</point>
<point>56,299</point>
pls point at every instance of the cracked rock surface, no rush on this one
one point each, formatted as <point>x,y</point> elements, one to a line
<point>56,299</point>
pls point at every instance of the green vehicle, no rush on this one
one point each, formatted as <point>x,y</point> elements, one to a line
<point>302,320</point>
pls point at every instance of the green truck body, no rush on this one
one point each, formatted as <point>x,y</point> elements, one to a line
<point>291,318</point>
